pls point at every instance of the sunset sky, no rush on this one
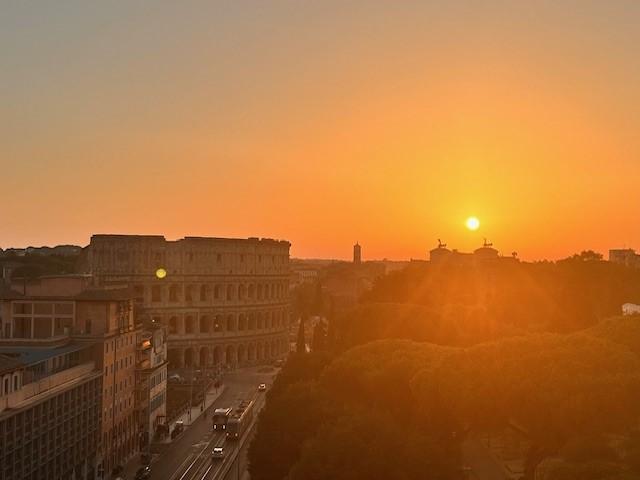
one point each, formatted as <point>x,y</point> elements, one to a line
<point>323,123</point>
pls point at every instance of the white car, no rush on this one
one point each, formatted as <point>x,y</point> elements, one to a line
<point>217,453</point>
<point>262,387</point>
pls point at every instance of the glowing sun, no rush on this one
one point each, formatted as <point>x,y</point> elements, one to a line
<point>472,223</point>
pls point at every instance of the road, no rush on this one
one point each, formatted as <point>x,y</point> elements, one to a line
<point>189,457</point>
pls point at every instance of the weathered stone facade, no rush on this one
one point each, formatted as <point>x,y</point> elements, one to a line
<point>224,301</point>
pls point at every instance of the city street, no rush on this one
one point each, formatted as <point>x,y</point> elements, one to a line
<point>189,456</point>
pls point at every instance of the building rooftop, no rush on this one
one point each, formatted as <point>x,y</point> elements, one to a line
<point>7,293</point>
<point>30,355</point>
<point>94,294</point>
<point>162,238</point>
<point>8,364</point>
<point>104,295</point>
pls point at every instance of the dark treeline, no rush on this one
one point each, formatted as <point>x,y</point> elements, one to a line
<point>33,265</point>
<point>562,296</point>
<point>432,354</point>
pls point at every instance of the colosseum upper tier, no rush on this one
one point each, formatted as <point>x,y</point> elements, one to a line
<point>224,301</point>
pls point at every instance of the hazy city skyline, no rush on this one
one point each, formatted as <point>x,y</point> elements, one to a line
<point>323,124</point>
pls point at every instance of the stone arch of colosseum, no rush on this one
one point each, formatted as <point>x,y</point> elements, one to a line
<point>232,354</point>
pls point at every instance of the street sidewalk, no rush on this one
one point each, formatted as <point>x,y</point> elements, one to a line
<point>188,417</point>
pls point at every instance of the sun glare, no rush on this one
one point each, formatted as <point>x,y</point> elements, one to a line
<point>472,223</point>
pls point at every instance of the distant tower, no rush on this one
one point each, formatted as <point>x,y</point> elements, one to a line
<point>357,254</point>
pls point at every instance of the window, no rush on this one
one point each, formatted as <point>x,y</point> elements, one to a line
<point>188,325</point>
<point>139,293</point>
<point>22,308</point>
<point>43,308</point>
<point>64,308</point>
<point>173,293</point>
<point>156,294</point>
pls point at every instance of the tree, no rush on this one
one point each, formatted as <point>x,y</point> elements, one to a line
<point>319,341</point>
<point>318,302</point>
<point>285,424</point>
<point>301,345</point>
<point>362,445</point>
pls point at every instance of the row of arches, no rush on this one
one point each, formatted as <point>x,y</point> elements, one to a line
<point>221,323</point>
<point>212,292</point>
<point>233,355</point>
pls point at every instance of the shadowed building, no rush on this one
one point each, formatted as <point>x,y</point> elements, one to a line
<point>625,256</point>
<point>225,302</point>
<point>442,255</point>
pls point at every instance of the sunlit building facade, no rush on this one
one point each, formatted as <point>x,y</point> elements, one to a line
<point>225,302</point>
<point>151,382</point>
<point>49,412</point>
<point>56,309</point>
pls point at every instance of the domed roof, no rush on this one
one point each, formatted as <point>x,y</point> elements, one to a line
<point>486,253</point>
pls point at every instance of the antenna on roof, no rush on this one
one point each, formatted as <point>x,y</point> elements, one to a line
<point>441,245</point>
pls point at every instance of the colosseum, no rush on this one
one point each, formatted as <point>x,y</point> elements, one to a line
<point>225,301</point>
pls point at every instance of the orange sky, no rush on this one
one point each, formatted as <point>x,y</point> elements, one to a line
<point>324,123</point>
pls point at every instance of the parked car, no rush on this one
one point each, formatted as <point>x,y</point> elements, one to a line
<point>262,387</point>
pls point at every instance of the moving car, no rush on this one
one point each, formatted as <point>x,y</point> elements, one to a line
<point>143,473</point>
<point>217,453</point>
<point>262,387</point>
<point>178,429</point>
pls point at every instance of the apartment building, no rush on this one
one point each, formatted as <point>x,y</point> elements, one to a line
<point>61,308</point>
<point>49,411</point>
<point>151,382</point>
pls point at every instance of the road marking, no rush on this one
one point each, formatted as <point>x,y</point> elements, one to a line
<point>192,463</point>
<point>206,473</point>
<point>181,465</point>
